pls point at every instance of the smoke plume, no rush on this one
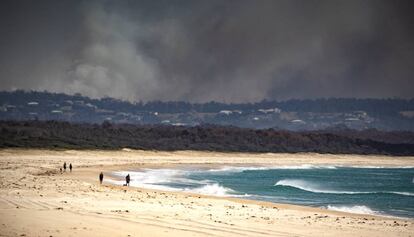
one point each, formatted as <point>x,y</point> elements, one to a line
<point>229,51</point>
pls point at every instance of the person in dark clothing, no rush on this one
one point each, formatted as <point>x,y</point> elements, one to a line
<point>127,179</point>
<point>70,167</point>
<point>101,177</point>
<point>64,166</point>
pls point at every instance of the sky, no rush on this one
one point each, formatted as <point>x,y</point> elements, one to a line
<point>198,51</point>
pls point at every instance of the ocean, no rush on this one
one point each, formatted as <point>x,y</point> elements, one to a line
<point>364,190</point>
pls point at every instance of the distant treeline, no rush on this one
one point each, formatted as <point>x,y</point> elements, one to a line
<point>323,105</point>
<point>64,135</point>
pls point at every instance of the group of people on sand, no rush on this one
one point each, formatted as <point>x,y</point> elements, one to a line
<point>64,167</point>
<point>101,175</point>
<point>127,179</point>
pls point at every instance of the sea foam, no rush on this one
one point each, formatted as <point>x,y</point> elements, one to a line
<point>357,209</point>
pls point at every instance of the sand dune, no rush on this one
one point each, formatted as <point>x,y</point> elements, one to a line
<point>37,200</point>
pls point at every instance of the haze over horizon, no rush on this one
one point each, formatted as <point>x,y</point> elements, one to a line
<point>198,51</point>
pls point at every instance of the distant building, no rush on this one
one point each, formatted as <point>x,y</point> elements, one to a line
<point>237,111</point>
<point>179,124</point>
<point>266,111</point>
<point>66,108</point>
<point>226,112</point>
<point>298,121</point>
<point>33,103</point>
<point>352,119</point>
<point>89,105</point>
<point>10,107</point>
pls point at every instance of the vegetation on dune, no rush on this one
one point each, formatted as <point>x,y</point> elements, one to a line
<point>53,134</point>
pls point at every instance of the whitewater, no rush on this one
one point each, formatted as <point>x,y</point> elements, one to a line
<point>356,189</point>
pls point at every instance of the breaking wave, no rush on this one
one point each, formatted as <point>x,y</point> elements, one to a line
<point>308,186</point>
<point>316,188</point>
<point>162,178</point>
<point>374,167</point>
<point>402,193</point>
<point>357,209</point>
<point>212,189</point>
<point>282,167</point>
<point>235,169</point>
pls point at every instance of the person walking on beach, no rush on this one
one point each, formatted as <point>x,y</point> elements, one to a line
<point>64,166</point>
<point>70,167</point>
<point>127,179</point>
<point>100,177</point>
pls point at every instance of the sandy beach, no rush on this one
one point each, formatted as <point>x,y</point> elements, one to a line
<point>37,200</point>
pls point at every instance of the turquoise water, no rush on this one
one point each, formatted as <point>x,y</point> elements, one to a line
<point>369,190</point>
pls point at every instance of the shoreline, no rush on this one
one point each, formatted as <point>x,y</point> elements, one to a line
<point>239,198</point>
<point>261,203</point>
<point>30,179</point>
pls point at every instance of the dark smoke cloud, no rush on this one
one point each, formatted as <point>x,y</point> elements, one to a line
<point>231,51</point>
